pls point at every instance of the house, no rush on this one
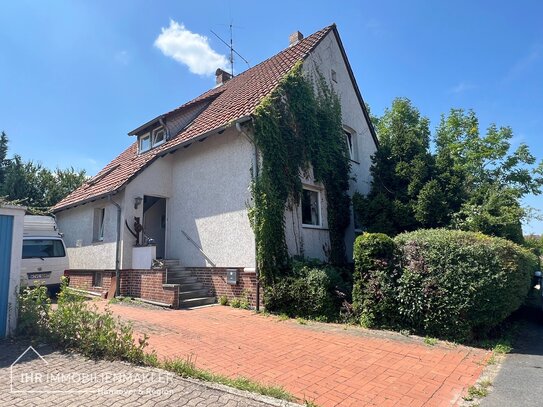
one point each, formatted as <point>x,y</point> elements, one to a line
<point>185,181</point>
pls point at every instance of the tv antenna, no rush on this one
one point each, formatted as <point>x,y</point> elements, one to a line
<point>232,50</point>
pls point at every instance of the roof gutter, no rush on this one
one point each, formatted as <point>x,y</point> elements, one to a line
<point>240,120</point>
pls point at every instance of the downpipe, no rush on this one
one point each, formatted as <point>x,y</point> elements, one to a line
<point>117,249</point>
<point>255,175</point>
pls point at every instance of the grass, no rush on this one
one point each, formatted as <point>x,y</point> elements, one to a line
<point>186,368</point>
<point>301,321</point>
<point>283,317</point>
<point>478,391</point>
<point>430,341</point>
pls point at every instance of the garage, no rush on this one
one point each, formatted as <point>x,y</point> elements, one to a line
<point>11,241</point>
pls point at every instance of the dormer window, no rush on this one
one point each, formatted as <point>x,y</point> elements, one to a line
<point>145,142</point>
<point>152,139</point>
<point>159,135</point>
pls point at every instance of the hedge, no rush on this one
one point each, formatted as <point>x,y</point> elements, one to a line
<point>443,283</point>
<point>308,293</point>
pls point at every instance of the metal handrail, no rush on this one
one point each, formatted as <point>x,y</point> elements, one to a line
<point>199,248</point>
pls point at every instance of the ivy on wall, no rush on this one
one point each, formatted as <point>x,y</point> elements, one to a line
<point>298,127</point>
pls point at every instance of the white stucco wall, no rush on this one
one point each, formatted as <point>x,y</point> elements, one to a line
<point>17,213</point>
<point>327,56</point>
<point>155,180</point>
<point>210,193</point>
<point>77,226</point>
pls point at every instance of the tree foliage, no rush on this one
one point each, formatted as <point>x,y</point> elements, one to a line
<point>33,185</point>
<point>469,180</point>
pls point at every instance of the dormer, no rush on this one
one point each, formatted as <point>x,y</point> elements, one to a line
<point>150,135</point>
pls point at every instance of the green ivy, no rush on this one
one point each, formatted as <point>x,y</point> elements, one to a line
<point>298,126</point>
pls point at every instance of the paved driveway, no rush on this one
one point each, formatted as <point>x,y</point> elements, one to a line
<point>324,363</point>
<point>61,379</point>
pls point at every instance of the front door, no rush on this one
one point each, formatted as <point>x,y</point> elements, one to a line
<point>154,222</point>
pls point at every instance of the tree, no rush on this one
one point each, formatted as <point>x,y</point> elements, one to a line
<point>472,181</point>
<point>485,179</point>
<point>33,185</point>
<point>3,155</point>
<point>400,169</point>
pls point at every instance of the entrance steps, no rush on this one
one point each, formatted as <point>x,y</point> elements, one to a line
<point>192,293</point>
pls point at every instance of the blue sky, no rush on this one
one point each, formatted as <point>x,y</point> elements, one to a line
<point>76,76</point>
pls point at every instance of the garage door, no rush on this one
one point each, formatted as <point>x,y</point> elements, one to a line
<point>6,233</point>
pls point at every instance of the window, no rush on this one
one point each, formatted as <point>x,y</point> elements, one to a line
<point>159,135</point>
<point>98,224</point>
<point>145,142</point>
<point>311,208</point>
<point>349,140</point>
<point>97,279</point>
<point>42,248</point>
<point>333,74</point>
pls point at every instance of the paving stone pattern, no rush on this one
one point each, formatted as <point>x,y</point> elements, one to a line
<point>69,379</point>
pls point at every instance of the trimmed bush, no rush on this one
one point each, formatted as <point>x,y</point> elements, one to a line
<point>441,283</point>
<point>308,293</point>
<point>374,279</point>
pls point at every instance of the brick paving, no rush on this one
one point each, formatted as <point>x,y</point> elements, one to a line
<point>66,379</point>
<point>330,365</point>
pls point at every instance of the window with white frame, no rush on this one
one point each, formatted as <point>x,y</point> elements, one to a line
<point>311,207</point>
<point>159,136</point>
<point>349,139</point>
<point>145,142</point>
<point>98,224</point>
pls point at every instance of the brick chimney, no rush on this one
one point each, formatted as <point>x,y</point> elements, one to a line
<point>295,38</point>
<point>222,77</point>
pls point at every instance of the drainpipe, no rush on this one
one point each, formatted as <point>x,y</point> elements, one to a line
<point>117,248</point>
<point>255,175</point>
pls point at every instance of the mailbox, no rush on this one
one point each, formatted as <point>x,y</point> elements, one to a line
<point>232,276</point>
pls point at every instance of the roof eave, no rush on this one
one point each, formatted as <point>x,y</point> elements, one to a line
<point>173,149</point>
<point>355,86</point>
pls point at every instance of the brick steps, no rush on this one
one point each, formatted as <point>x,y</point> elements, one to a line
<point>192,293</point>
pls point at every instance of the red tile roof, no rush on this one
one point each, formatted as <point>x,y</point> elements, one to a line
<point>235,99</point>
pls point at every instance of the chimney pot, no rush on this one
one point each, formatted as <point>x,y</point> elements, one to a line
<point>222,77</point>
<point>295,38</point>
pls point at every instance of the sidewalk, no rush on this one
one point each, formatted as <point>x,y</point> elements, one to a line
<point>101,383</point>
<point>520,379</point>
<point>324,363</point>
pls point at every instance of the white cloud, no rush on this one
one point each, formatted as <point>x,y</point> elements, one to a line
<point>190,49</point>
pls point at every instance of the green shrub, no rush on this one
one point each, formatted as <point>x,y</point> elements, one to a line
<point>75,324</point>
<point>308,293</point>
<point>461,284</point>
<point>374,280</point>
<point>235,302</point>
<point>33,314</point>
<point>223,300</point>
<point>441,283</point>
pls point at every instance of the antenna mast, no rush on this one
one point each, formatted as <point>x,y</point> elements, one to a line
<point>232,50</point>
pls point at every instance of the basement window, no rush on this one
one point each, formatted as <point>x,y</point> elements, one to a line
<point>311,208</point>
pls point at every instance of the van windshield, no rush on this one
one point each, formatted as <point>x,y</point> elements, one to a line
<point>42,248</point>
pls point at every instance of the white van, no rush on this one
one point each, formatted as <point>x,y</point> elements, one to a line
<point>44,253</point>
